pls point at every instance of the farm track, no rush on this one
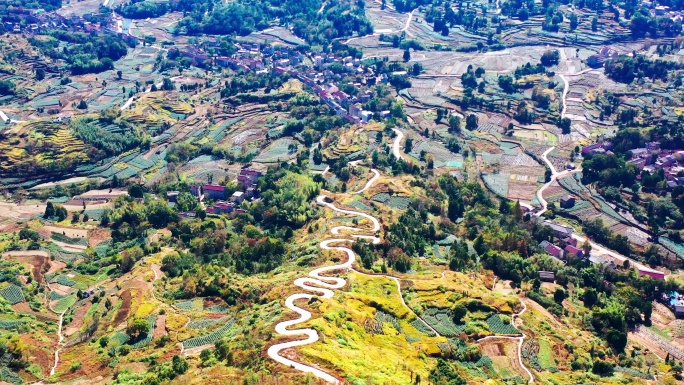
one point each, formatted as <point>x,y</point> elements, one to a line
<point>519,339</point>
<point>324,285</point>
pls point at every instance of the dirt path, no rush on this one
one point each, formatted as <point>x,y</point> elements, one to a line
<point>519,339</point>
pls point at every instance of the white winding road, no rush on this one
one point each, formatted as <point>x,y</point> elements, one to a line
<point>396,147</point>
<point>323,286</point>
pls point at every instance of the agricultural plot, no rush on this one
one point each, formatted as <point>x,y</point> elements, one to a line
<point>421,327</point>
<point>206,322</point>
<point>148,336</point>
<point>281,150</point>
<point>13,294</point>
<point>497,183</point>
<point>209,338</point>
<point>498,327</point>
<point>441,321</point>
<point>441,155</point>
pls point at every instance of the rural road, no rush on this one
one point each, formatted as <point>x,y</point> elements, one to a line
<point>396,147</point>
<point>59,333</point>
<point>370,182</point>
<point>323,286</point>
<point>519,339</point>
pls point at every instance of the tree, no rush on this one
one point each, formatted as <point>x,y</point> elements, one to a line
<point>137,328</point>
<point>40,74</point>
<point>590,297</point>
<point>179,364</point>
<point>550,58</point>
<point>471,122</point>
<point>82,105</point>
<point>564,124</point>
<point>136,191</point>
<point>454,124</point>
<point>559,295</point>
<point>506,84</point>
<point>407,55</point>
<point>573,22</point>
<point>603,368</point>
<point>49,210</point>
<point>586,248</point>
<point>119,74</point>
<point>594,24</point>
<point>7,88</point>
<point>458,312</point>
<point>168,85</point>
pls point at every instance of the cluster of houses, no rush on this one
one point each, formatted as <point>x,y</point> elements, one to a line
<point>246,181</point>
<point>264,59</point>
<point>651,159</point>
<point>35,21</point>
<point>597,148</point>
<point>664,11</point>
<point>569,247</point>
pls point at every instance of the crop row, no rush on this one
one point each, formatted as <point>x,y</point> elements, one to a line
<point>10,324</point>
<point>206,322</point>
<point>422,327</point>
<point>389,318</point>
<point>70,240</point>
<point>497,183</point>
<point>64,280</point>
<point>13,294</point>
<point>497,326</point>
<point>209,338</point>
<point>440,320</point>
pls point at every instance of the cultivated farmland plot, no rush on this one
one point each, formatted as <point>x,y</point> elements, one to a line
<point>208,338</point>
<point>13,294</point>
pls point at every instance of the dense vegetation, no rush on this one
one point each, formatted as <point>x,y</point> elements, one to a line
<point>83,53</point>
<point>104,141</point>
<point>338,19</point>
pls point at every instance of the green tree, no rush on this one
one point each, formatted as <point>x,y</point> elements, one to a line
<point>559,295</point>
<point>590,297</point>
<point>458,312</point>
<point>137,328</point>
<point>40,74</point>
<point>407,55</point>
<point>471,122</point>
<point>49,210</point>
<point>179,364</point>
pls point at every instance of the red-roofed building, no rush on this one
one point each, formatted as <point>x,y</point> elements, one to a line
<point>554,251</point>
<point>569,249</point>
<point>214,191</point>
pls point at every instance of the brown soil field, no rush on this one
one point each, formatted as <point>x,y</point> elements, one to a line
<point>125,308</point>
<point>160,326</point>
<point>99,235</point>
<point>78,319</point>
<point>23,307</point>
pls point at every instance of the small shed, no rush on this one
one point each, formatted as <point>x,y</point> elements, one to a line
<point>547,276</point>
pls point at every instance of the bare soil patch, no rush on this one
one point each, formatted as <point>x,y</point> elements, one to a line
<point>78,319</point>
<point>160,326</point>
<point>99,235</point>
<point>125,308</point>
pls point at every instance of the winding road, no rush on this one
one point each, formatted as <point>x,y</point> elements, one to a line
<point>396,146</point>
<point>323,285</point>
